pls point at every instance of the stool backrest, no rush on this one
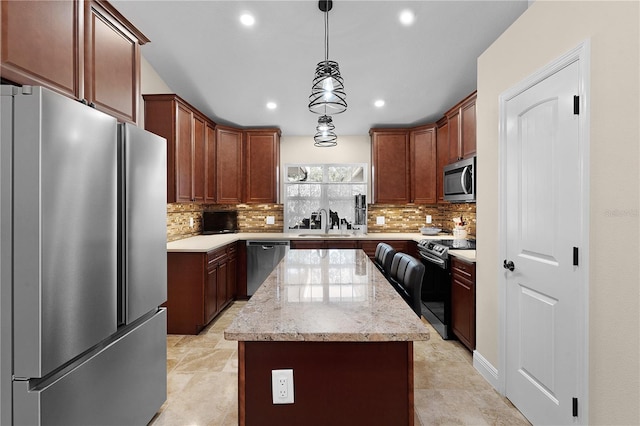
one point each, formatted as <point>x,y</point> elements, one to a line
<point>384,257</point>
<point>407,273</point>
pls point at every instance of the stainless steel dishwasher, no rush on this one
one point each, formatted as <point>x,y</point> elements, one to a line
<point>262,258</point>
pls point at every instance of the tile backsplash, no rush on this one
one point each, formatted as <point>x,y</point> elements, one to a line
<point>253,217</point>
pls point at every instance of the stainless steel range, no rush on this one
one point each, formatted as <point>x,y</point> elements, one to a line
<point>436,285</point>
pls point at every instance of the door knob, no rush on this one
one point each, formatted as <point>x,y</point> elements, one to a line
<point>508,265</point>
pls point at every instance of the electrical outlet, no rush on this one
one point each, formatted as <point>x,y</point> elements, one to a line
<point>191,222</point>
<point>282,386</point>
<point>428,218</point>
<point>379,220</point>
<point>271,220</point>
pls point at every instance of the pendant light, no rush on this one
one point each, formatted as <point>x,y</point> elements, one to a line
<point>327,91</point>
<point>325,137</point>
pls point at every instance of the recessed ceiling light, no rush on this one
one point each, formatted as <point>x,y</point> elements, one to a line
<point>379,103</point>
<point>272,105</point>
<point>407,17</point>
<point>247,19</point>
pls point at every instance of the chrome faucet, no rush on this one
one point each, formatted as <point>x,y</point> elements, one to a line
<point>326,220</point>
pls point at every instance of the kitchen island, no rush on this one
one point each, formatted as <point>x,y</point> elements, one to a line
<point>333,318</point>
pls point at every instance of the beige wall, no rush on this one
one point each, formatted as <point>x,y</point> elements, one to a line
<point>150,83</point>
<point>544,32</point>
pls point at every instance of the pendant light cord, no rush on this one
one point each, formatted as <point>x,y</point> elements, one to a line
<point>326,33</point>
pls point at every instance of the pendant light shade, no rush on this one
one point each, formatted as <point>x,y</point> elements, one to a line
<point>325,136</point>
<point>327,91</point>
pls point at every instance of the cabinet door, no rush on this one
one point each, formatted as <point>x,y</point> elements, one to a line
<point>307,244</point>
<point>442,142</point>
<point>184,154</point>
<point>210,164</point>
<point>262,165</point>
<point>222,285</point>
<point>390,167</point>
<point>341,244</point>
<point>232,275</point>
<point>42,44</point>
<point>187,284</point>
<point>454,136</point>
<point>199,159</point>
<point>463,311</point>
<point>460,308</point>
<point>211,294</point>
<point>468,128</point>
<point>423,166</point>
<point>112,64</point>
<point>229,165</point>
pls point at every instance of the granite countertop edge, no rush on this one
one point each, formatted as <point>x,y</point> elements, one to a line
<point>206,243</point>
<point>326,337</point>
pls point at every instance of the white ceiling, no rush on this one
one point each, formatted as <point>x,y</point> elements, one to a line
<point>230,71</point>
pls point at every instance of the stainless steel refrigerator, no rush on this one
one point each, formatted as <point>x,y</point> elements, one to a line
<point>82,264</point>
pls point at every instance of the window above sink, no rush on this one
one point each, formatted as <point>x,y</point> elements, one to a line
<point>320,198</point>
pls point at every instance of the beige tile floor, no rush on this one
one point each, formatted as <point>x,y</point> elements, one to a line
<point>202,382</point>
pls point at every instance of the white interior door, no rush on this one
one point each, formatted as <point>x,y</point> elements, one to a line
<point>543,201</point>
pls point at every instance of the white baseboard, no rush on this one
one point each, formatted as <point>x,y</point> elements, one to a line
<point>488,371</point>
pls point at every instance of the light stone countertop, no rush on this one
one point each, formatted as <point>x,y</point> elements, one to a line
<point>468,255</point>
<point>205,243</point>
<point>326,296</point>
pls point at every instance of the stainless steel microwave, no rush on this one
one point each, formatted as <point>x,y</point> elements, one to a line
<point>459,182</point>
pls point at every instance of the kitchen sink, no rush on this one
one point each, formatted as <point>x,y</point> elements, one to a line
<point>326,235</point>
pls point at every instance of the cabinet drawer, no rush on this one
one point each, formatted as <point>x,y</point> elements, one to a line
<point>232,249</point>
<point>463,269</point>
<point>215,256</point>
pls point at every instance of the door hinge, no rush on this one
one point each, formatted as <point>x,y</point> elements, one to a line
<point>576,104</point>
<point>575,407</point>
<point>575,256</point>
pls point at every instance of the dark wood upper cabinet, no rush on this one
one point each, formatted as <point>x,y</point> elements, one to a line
<point>42,44</point>
<point>468,127</point>
<point>81,49</point>
<point>229,170</point>
<point>186,131</point>
<point>442,149</point>
<point>462,129</point>
<point>210,164</point>
<point>112,61</point>
<point>262,159</point>
<point>391,161</point>
<point>198,179</point>
<point>183,153</point>
<point>423,165</point>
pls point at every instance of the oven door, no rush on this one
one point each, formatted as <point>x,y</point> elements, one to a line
<point>436,295</point>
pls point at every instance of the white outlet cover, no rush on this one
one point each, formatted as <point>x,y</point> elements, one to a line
<point>379,220</point>
<point>282,386</point>
<point>271,220</point>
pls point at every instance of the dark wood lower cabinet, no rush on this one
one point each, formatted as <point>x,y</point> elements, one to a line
<point>324,244</point>
<point>199,287</point>
<point>335,383</point>
<point>463,301</point>
<point>369,246</point>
